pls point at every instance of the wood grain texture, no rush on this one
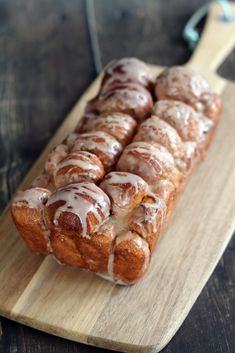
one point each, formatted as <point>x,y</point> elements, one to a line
<point>209,327</point>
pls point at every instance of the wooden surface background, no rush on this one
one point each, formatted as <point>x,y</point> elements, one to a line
<point>50,51</point>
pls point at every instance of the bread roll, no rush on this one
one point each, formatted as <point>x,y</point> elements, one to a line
<point>118,176</point>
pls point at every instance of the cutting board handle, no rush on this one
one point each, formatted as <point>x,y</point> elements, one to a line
<point>217,40</point>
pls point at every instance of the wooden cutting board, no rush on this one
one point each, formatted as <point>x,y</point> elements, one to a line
<point>77,305</point>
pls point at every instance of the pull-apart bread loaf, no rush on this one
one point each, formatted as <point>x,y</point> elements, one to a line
<point>109,189</point>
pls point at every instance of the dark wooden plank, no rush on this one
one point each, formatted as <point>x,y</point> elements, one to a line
<point>45,65</point>
<point>21,339</point>
<point>150,30</point>
<point>48,57</point>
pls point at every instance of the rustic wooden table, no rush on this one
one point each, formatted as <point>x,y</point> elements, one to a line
<point>50,52</point>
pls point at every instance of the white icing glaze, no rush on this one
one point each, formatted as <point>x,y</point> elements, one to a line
<point>182,83</point>
<point>120,225</point>
<point>87,119</point>
<point>104,143</point>
<point>205,126</point>
<point>153,150</point>
<point>178,113</point>
<point>123,187</point>
<point>55,156</point>
<point>159,131</point>
<point>99,141</point>
<point>81,163</point>
<point>189,124</point>
<point>89,164</point>
<point>128,70</point>
<point>124,98</point>
<point>210,105</point>
<point>140,242</point>
<point>190,150</point>
<point>74,197</point>
<point>118,125</point>
<point>153,209</point>
<point>118,119</point>
<point>121,178</point>
<point>147,160</point>
<point>71,138</point>
<point>32,198</point>
<point>112,226</point>
<point>157,206</point>
<point>35,198</point>
<point>163,189</point>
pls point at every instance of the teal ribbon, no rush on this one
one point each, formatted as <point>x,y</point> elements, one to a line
<point>190,32</point>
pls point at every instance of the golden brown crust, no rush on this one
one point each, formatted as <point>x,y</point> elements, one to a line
<point>27,214</point>
<point>103,145</point>
<point>55,156</point>
<point>148,218</point>
<point>195,129</point>
<point>190,125</point>
<point>150,161</point>
<point>64,248</point>
<point>131,256</point>
<point>28,223</point>
<point>125,191</point>
<point>78,209</point>
<point>127,70</point>
<point>76,167</point>
<point>96,250</point>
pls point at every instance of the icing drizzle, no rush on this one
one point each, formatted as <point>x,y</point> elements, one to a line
<point>81,199</point>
